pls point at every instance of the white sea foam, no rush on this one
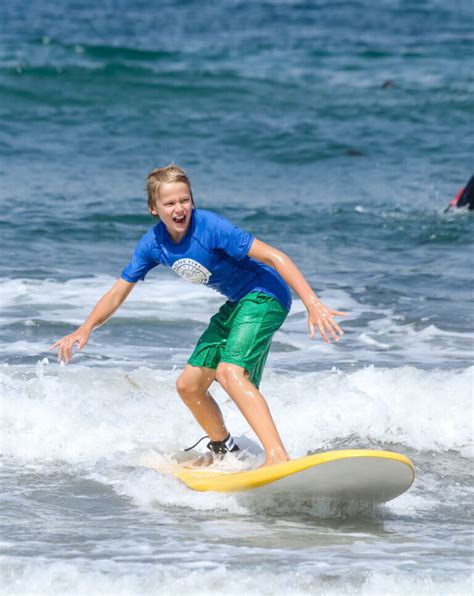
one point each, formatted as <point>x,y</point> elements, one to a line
<point>386,336</point>
<point>71,301</point>
<point>105,422</point>
<point>207,578</point>
<point>79,414</point>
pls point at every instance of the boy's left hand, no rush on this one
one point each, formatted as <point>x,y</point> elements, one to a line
<point>320,317</point>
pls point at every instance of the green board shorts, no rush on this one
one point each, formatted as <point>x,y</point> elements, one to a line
<point>241,333</point>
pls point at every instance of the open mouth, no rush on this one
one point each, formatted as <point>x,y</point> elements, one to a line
<point>179,220</point>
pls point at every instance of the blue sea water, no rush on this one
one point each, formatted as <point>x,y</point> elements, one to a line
<point>337,131</point>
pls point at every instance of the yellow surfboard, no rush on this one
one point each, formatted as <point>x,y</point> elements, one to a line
<point>364,474</point>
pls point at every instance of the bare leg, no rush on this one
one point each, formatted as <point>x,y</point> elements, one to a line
<point>192,386</point>
<point>253,406</point>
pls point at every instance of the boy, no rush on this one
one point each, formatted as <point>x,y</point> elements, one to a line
<point>205,248</point>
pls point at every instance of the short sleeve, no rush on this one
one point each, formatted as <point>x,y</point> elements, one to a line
<point>231,239</point>
<point>140,264</point>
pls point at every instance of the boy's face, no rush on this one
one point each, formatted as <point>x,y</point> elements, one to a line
<point>174,206</point>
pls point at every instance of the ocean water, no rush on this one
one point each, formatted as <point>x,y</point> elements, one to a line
<point>335,130</point>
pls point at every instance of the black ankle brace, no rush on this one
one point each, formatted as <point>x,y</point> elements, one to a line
<point>222,447</point>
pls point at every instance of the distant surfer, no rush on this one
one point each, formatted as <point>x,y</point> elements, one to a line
<point>464,197</point>
<point>205,248</point>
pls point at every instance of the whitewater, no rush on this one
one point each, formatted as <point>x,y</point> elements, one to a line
<point>79,443</point>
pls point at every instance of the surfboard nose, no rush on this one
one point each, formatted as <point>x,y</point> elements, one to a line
<point>361,474</point>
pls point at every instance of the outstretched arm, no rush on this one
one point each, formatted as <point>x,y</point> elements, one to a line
<point>102,311</point>
<point>319,315</point>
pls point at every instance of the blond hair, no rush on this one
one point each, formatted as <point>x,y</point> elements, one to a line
<point>157,177</point>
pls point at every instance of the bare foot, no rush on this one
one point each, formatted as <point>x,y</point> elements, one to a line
<point>277,455</point>
<point>273,461</point>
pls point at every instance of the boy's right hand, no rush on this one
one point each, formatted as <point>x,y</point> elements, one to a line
<point>66,343</point>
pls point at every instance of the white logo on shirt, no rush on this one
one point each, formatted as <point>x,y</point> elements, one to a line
<point>191,271</point>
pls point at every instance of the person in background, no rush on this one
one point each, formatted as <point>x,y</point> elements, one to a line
<point>464,197</point>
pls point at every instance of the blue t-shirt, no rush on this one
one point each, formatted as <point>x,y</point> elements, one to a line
<point>213,252</point>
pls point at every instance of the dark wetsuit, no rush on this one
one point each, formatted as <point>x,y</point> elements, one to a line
<point>465,197</point>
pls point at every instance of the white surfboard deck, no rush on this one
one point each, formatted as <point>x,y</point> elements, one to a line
<point>354,474</point>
